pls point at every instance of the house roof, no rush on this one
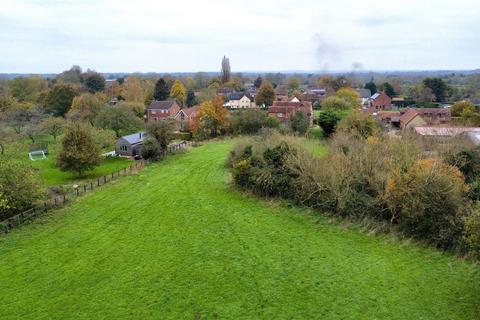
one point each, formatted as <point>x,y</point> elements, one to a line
<point>364,93</point>
<point>281,109</point>
<point>190,111</point>
<point>408,116</point>
<point>445,131</point>
<point>375,96</point>
<point>165,105</point>
<point>239,95</point>
<point>474,136</point>
<point>134,137</point>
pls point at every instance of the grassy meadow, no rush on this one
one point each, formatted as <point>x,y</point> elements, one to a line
<point>177,242</point>
<point>48,171</point>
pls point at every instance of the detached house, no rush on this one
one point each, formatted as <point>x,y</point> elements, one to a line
<point>283,110</point>
<point>185,118</point>
<point>379,101</point>
<point>161,110</point>
<point>240,100</point>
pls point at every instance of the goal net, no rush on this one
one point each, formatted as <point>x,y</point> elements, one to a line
<point>37,155</point>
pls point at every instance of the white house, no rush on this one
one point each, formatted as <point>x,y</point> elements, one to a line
<point>240,100</point>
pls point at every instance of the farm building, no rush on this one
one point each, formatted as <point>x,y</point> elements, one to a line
<point>130,145</point>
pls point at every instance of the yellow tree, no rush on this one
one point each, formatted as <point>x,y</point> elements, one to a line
<point>350,96</point>
<point>178,92</point>
<point>86,106</point>
<point>133,90</point>
<point>211,119</point>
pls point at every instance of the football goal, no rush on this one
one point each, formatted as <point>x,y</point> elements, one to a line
<point>37,155</point>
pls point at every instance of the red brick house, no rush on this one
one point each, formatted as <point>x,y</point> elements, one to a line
<point>284,110</point>
<point>185,118</point>
<point>413,117</point>
<point>379,101</point>
<point>161,110</point>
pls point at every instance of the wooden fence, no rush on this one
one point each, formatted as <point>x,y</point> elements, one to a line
<point>60,200</point>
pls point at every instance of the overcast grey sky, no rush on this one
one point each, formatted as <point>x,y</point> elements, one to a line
<point>43,36</point>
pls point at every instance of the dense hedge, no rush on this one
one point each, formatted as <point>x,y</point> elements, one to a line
<point>377,178</point>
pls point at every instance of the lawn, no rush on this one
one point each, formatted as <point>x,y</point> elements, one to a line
<point>48,171</point>
<point>177,242</point>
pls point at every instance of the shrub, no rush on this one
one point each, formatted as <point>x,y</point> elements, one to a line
<point>359,124</point>
<point>300,122</point>
<point>328,121</point>
<point>248,121</point>
<point>427,201</point>
<point>336,103</point>
<point>467,160</point>
<point>20,188</point>
<point>472,231</point>
<point>151,149</point>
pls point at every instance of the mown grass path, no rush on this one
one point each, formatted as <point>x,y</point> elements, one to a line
<point>175,242</point>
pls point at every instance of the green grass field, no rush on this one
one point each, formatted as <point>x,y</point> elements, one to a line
<point>176,242</point>
<point>50,174</point>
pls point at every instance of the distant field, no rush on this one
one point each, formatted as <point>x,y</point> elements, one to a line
<point>50,174</point>
<point>176,242</point>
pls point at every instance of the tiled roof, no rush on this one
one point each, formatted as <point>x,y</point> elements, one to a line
<point>408,116</point>
<point>165,105</point>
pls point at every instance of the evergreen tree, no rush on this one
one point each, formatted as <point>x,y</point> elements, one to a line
<point>371,86</point>
<point>191,101</point>
<point>161,91</point>
<point>258,82</point>
<point>226,72</point>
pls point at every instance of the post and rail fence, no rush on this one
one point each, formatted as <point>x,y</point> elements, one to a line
<point>60,200</point>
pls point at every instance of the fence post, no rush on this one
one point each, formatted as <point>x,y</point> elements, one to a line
<point>91,185</point>
<point>78,191</point>
<point>64,198</point>
<point>55,200</point>
<point>104,179</point>
<point>84,188</point>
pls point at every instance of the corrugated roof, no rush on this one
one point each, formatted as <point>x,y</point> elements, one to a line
<point>135,137</point>
<point>445,131</point>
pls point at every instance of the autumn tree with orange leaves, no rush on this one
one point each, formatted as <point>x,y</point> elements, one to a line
<point>211,119</point>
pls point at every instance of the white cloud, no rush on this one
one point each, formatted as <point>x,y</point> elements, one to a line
<point>167,36</point>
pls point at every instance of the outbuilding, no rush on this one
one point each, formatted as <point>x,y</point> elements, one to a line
<point>130,145</point>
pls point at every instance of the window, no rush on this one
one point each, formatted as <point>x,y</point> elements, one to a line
<point>123,148</point>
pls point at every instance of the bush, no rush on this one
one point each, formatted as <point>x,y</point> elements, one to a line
<point>467,160</point>
<point>20,188</point>
<point>472,231</point>
<point>328,121</point>
<point>427,201</point>
<point>336,103</point>
<point>358,124</point>
<point>251,121</point>
<point>151,149</point>
<point>182,136</point>
<point>300,122</point>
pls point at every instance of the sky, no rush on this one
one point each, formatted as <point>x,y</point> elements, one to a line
<point>49,36</point>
